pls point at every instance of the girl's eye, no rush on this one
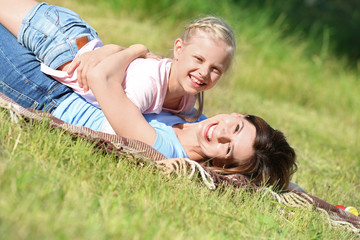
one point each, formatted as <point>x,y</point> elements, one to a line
<point>216,70</point>
<point>198,59</point>
<point>237,128</point>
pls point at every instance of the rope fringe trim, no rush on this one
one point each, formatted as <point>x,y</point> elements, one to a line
<point>185,167</point>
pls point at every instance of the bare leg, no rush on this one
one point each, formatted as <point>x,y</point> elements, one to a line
<point>12,12</point>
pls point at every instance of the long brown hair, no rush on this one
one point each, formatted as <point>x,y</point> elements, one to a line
<point>273,161</point>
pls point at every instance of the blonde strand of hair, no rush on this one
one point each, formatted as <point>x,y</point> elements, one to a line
<point>199,111</point>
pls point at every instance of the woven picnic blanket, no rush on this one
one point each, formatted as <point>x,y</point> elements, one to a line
<point>181,166</point>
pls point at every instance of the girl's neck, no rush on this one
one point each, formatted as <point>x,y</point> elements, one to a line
<point>171,103</point>
<point>174,92</point>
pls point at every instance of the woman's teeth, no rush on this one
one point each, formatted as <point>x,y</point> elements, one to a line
<point>210,132</point>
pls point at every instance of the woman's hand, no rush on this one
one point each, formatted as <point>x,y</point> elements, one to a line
<point>89,60</point>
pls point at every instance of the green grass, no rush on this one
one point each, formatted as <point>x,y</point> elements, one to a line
<point>55,187</point>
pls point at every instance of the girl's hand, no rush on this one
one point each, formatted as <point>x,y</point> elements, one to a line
<point>153,56</point>
<point>144,52</point>
<point>89,60</point>
<point>83,63</point>
<point>139,50</point>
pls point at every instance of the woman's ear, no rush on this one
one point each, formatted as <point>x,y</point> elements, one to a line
<point>178,45</point>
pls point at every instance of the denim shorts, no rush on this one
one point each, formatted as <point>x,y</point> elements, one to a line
<point>22,80</point>
<point>54,34</point>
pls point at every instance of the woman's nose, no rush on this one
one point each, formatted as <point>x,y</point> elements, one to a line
<point>223,136</point>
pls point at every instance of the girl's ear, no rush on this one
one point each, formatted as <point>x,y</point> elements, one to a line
<point>178,45</point>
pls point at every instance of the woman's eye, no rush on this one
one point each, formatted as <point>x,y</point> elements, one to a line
<point>237,128</point>
<point>228,150</point>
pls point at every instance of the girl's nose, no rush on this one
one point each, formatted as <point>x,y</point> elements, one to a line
<point>204,71</point>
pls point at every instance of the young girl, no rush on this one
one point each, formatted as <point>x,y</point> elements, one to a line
<point>65,43</point>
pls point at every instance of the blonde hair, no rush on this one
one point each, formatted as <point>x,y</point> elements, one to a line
<point>214,27</point>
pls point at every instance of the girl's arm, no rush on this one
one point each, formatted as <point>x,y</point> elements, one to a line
<point>89,60</point>
<point>105,82</point>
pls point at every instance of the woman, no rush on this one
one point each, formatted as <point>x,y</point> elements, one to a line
<point>229,143</point>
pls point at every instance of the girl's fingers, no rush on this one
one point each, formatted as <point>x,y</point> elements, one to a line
<point>79,76</point>
<point>73,66</point>
<point>84,79</point>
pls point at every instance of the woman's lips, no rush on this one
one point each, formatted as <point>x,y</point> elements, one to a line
<point>209,131</point>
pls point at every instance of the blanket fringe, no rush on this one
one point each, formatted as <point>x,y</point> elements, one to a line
<point>181,166</point>
<point>306,202</point>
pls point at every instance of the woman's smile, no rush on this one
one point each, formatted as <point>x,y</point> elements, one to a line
<point>227,136</point>
<point>209,130</point>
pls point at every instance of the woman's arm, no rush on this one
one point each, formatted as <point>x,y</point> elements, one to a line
<point>105,81</point>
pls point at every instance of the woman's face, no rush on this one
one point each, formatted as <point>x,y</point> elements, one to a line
<point>226,139</point>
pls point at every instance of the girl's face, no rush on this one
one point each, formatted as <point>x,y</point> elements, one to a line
<point>226,139</point>
<point>200,62</point>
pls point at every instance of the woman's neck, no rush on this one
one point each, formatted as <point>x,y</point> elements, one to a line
<point>186,133</point>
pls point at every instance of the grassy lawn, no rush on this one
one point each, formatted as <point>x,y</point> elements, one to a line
<point>55,187</point>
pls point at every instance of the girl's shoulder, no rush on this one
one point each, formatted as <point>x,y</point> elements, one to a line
<point>142,69</point>
<point>150,63</point>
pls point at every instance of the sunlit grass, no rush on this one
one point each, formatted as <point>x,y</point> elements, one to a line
<point>54,186</point>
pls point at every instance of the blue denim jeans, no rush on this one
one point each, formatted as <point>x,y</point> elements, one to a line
<point>21,78</point>
<point>54,34</point>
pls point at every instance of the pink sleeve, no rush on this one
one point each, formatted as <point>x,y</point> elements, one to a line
<point>143,85</point>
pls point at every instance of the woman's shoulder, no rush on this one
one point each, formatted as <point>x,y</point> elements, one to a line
<point>166,142</point>
<point>168,119</point>
<point>163,118</point>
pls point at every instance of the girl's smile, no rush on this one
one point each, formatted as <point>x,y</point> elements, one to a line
<point>199,63</point>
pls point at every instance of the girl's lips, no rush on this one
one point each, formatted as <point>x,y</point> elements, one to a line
<point>196,83</point>
<point>208,133</point>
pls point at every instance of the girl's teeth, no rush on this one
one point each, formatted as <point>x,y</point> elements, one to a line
<point>196,81</point>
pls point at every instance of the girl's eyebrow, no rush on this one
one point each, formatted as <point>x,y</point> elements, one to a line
<point>219,67</point>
